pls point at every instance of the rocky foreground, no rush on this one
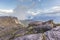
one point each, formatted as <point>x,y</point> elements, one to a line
<point>53,34</point>
<point>12,29</point>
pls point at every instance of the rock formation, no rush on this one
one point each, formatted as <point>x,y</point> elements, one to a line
<point>53,34</point>
<point>35,23</point>
<point>12,29</point>
<point>8,27</point>
<point>38,27</point>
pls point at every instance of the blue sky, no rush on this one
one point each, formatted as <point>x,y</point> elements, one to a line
<point>31,9</point>
<point>8,4</point>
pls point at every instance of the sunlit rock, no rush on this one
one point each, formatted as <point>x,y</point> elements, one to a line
<point>30,37</point>
<point>8,27</point>
<point>53,34</point>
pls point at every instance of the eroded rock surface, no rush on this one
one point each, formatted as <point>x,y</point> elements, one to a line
<point>30,37</point>
<point>39,27</point>
<point>8,27</point>
<point>12,29</point>
<point>53,34</point>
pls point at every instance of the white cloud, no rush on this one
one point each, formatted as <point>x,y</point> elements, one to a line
<point>6,11</point>
<point>34,12</point>
<point>20,12</point>
<point>53,11</point>
<point>56,8</point>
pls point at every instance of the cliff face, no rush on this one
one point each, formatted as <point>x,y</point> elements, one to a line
<point>9,26</point>
<point>7,20</point>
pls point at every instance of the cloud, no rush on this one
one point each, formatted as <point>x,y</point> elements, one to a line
<point>30,8</point>
<point>31,3</point>
<point>32,12</point>
<point>20,12</point>
<point>6,11</point>
<point>24,12</point>
<point>53,11</point>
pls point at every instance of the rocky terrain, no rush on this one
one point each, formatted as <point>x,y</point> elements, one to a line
<point>9,26</point>
<point>12,29</point>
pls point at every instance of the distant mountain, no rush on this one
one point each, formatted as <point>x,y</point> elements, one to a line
<point>46,18</point>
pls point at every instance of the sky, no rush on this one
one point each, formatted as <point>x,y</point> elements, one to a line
<point>31,9</point>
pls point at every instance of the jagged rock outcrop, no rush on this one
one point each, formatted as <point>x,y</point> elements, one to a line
<point>39,27</point>
<point>35,23</point>
<point>9,26</point>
